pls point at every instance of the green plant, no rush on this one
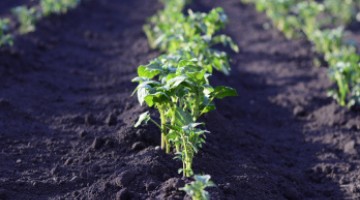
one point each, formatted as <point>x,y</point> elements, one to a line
<point>196,189</point>
<point>281,14</point>
<point>316,19</point>
<point>174,32</point>
<point>5,37</point>
<point>176,83</point>
<point>27,18</point>
<point>308,12</point>
<point>181,96</point>
<point>341,11</point>
<point>57,6</point>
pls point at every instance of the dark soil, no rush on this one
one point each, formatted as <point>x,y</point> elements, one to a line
<point>66,115</point>
<point>7,5</point>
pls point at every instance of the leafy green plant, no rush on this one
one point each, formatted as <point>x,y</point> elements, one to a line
<point>316,19</point>
<point>27,18</point>
<point>196,189</point>
<point>341,11</point>
<point>308,12</point>
<point>181,96</point>
<point>57,6</point>
<point>174,32</point>
<point>5,37</point>
<point>176,83</point>
<point>280,12</point>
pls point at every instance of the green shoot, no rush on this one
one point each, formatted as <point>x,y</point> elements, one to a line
<point>5,37</point>
<point>57,6</point>
<point>196,189</point>
<point>311,18</point>
<point>27,18</point>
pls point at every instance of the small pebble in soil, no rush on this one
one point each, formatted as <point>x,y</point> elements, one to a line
<point>97,143</point>
<point>111,119</point>
<point>123,194</point>
<point>349,147</point>
<point>138,146</point>
<point>299,111</point>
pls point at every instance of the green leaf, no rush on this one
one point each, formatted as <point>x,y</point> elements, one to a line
<point>191,126</point>
<point>174,82</point>
<point>202,178</point>
<point>149,71</point>
<point>208,108</point>
<point>143,118</point>
<point>182,117</point>
<point>141,94</point>
<point>221,92</point>
<point>156,98</point>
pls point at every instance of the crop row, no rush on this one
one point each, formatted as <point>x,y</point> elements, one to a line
<point>177,83</point>
<point>28,16</point>
<point>322,24</point>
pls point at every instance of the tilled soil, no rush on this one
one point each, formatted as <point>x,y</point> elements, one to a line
<point>66,115</point>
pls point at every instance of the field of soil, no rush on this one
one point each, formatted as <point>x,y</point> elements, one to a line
<point>67,114</point>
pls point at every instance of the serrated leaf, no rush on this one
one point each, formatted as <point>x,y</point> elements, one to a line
<point>176,81</point>
<point>208,108</point>
<point>182,117</point>
<point>149,71</point>
<point>221,92</point>
<point>143,118</point>
<point>156,98</point>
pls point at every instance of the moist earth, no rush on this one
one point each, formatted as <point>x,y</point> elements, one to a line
<point>67,114</point>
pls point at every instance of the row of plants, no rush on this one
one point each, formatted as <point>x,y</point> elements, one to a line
<point>177,83</point>
<point>28,16</point>
<point>322,23</point>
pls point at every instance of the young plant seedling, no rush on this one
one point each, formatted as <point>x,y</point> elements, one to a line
<point>5,37</point>
<point>196,189</point>
<point>27,18</point>
<point>57,6</point>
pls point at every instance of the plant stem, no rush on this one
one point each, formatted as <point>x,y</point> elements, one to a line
<point>164,142</point>
<point>187,161</point>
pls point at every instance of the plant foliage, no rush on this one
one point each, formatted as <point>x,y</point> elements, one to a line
<point>321,23</point>
<point>196,189</point>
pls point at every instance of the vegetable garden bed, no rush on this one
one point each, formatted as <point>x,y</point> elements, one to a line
<point>67,114</point>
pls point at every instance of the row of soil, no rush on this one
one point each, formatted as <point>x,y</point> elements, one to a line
<point>67,115</point>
